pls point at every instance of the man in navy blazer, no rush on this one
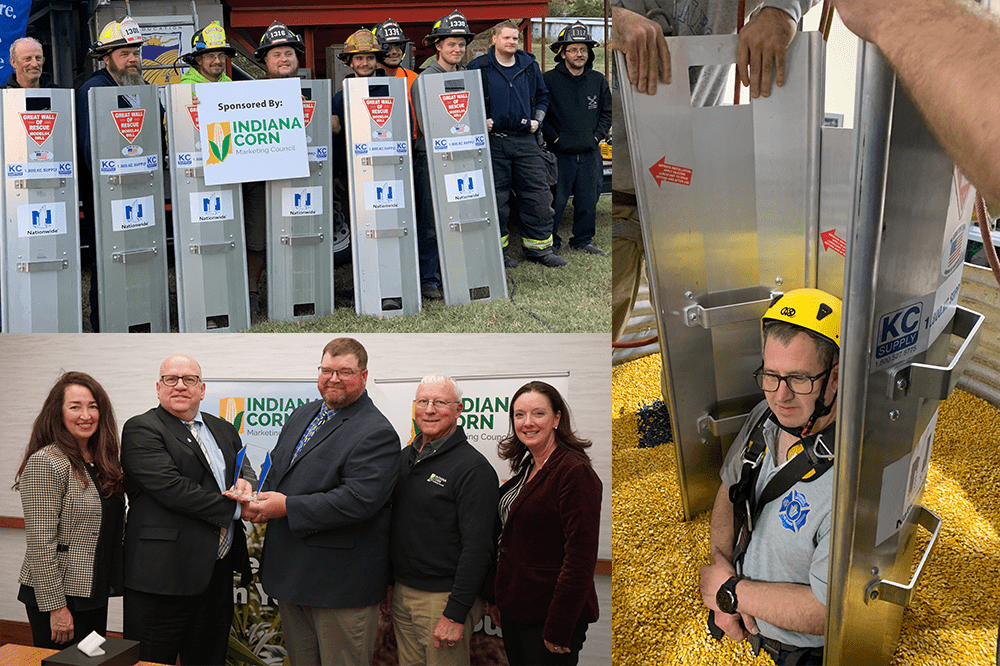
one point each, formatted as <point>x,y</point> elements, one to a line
<point>326,552</point>
<point>183,538</point>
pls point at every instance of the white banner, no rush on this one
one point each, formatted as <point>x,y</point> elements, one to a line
<point>259,409</point>
<point>252,130</point>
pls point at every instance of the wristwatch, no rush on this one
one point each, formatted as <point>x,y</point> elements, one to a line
<point>726,596</point>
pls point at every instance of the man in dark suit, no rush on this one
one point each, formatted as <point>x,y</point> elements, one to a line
<point>183,538</point>
<point>326,553</point>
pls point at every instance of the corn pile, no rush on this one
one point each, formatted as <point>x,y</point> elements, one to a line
<point>658,614</point>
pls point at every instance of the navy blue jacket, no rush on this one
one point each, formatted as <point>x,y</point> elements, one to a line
<point>44,82</point>
<point>100,79</point>
<point>515,95</point>
<point>580,114</point>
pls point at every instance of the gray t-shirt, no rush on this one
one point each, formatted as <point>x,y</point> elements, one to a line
<point>791,542</point>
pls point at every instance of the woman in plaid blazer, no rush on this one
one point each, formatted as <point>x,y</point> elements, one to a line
<point>73,499</point>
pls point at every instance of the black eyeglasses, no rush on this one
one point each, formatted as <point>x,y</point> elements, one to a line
<point>797,384</point>
<point>171,380</point>
<point>440,404</point>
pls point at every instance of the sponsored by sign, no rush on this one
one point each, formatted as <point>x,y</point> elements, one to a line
<point>387,194</point>
<point>211,206</point>
<point>47,219</point>
<point>252,130</point>
<point>134,213</point>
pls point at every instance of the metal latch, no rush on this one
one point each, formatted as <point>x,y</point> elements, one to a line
<point>194,172</point>
<point>302,239</point>
<point>131,178</point>
<point>932,381</point>
<point>42,266</point>
<point>894,593</point>
<point>136,256</point>
<point>470,225</point>
<point>39,183</point>
<point>386,233</point>
<point>212,248</point>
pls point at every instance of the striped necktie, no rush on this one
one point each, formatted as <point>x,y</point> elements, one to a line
<point>224,543</point>
<point>317,423</point>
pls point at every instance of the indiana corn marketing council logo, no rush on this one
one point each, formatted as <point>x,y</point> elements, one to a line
<point>220,142</point>
<point>233,410</point>
<point>794,509</point>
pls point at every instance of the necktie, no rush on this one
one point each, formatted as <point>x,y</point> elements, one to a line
<point>224,543</point>
<point>317,423</point>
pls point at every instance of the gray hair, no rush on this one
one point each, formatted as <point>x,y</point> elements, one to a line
<point>444,379</point>
<point>13,45</point>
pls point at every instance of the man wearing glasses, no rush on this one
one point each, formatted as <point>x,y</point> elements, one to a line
<point>442,531</point>
<point>771,520</point>
<point>327,503</point>
<point>183,538</point>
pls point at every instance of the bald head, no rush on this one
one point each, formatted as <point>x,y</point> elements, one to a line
<point>26,58</point>
<point>179,386</point>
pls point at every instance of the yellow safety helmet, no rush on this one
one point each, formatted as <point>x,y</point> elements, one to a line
<point>362,41</point>
<point>811,309</point>
<point>207,40</point>
<point>116,35</point>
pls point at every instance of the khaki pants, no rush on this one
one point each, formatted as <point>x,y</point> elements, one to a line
<point>317,636</point>
<point>414,615</point>
<point>627,260</point>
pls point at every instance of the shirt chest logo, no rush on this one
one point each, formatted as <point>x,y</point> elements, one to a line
<point>434,478</point>
<point>794,510</point>
<point>591,102</point>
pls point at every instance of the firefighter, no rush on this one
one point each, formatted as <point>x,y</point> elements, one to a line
<point>209,50</point>
<point>579,118</point>
<point>118,46</point>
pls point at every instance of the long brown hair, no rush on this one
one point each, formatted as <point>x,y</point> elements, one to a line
<point>513,449</point>
<point>50,428</point>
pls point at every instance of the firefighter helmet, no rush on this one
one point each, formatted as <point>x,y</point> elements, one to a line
<point>574,34</point>
<point>117,34</point>
<point>277,34</point>
<point>362,41</point>
<point>452,25</point>
<point>209,39</point>
<point>811,309</point>
<point>388,33</point>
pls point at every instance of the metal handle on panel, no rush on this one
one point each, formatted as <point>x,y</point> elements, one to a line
<point>131,178</point>
<point>212,248</point>
<point>303,239</point>
<point>39,183</point>
<point>42,266</point>
<point>133,256</point>
<point>935,382</point>
<point>722,427</point>
<point>894,593</point>
<point>697,315</point>
<point>386,233</point>
<point>469,225</point>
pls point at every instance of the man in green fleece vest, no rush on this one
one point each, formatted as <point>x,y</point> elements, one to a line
<point>209,50</point>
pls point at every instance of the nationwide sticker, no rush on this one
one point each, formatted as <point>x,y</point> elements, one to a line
<point>380,109</point>
<point>456,104</point>
<point>129,122</point>
<point>464,186</point>
<point>211,206</point>
<point>308,108</point>
<point>39,125</point>
<point>384,195</point>
<point>47,219</point>
<point>299,201</point>
<point>136,213</point>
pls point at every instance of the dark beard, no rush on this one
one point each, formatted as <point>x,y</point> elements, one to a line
<point>125,77</point>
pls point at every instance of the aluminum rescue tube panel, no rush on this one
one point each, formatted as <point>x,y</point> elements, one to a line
<point>453,119</point>
<point>728,198</point>
<point>127,165</point>
<point>40,258</point>
<point>209,238</point>
<point>299,223</point>
<point>380,182</point>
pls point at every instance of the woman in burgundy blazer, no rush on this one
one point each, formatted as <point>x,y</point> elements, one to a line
<point>551,512</point>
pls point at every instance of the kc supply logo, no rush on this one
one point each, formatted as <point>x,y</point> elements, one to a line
<point>220,142</point>
<point>380,109</point>
<point>898,331</point>
<point>39,125</point>
<point>129,122</point>
<point>456,104</point>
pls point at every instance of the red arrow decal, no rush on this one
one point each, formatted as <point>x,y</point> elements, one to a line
<point>661,171</point>
<point>831,241</point>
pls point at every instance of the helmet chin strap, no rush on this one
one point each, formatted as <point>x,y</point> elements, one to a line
<point>819,411</point>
